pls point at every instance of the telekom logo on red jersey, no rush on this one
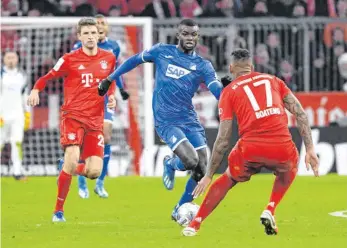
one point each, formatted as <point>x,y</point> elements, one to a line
<point>87,79</point>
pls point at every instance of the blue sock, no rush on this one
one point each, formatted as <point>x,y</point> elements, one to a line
<point>82,182</point>
<point>60,166</point>
<point>107,154</point>
<point>187,194</point>
<point>175,163</point>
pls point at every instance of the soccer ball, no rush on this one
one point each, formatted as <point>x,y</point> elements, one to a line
<point>186,213</point>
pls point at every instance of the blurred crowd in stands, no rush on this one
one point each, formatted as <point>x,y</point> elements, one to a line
<point>176,8</point>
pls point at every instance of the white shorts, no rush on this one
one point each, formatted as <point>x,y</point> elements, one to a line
<point>12,131</point>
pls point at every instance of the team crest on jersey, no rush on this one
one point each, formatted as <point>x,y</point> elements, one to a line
<point>176,72</point>
<point>192,67</point>
<point>103,64</point>
<point>71,136</point>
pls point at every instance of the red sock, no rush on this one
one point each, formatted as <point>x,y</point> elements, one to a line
<point>281,185</point>
<point>81,169</point>
<point>64,182</point>
<point>215,194</point>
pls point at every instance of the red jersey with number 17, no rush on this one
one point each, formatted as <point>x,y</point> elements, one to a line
<point>82,76</point>
<point>257,101</point>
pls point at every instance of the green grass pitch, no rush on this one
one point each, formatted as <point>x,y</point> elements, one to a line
<point>137,215</point>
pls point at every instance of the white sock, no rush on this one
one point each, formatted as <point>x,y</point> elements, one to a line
<point>16,156</point>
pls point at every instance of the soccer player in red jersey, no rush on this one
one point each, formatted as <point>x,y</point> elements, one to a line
<point>82,114</point>
<point>258,101</point>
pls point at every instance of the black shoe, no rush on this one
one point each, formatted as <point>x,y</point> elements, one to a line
<point>20,178</point>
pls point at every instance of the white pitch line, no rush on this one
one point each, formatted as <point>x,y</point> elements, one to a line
<point>78,223</point>
<point>342,214</point>
<point>93,223</point>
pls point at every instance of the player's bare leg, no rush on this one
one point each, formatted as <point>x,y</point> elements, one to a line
<point>215,195</point>
<point>99,187</point>
<point>93,167</point>
<point>71,157</point>
<point>197,174</point>
<point>83,191</point>
<point>185,158</point>
<point>281,185</point>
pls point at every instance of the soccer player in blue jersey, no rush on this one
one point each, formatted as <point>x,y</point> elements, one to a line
<point>112,46</point>
<point>179,72</point>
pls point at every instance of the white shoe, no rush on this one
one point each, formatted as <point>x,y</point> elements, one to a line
<point>100,191</point>
<point>189,231</point>
<point>58,217</point>
<point>268,221</point>
<point>83,193</point>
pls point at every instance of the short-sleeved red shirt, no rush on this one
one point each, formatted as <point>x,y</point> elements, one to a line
<point>256,99</point>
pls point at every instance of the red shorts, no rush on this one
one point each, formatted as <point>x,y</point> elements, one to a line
<point>73,132</point>
<point>247,158</point>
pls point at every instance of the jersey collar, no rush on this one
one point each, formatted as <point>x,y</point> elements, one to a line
<point>10,70</point>
<point>190,55</point>
<point>103,42</point>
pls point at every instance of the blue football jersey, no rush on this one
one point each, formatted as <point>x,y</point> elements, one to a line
<point>177,78</point>
<point>108,44</point>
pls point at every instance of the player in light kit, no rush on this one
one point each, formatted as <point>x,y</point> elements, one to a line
<point>14,115</point>
<point>179,72</point>
<point>112,46</point>
<point>258,101</point>
<point>82,114</point>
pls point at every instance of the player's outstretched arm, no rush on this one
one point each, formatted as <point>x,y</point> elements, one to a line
<point>34,98</point>
<point>211,80</point>
<point>220,147</point>
<point>293,105</point>
<point>60,69</point>
<point>216,88</point>
<point>127,66</point>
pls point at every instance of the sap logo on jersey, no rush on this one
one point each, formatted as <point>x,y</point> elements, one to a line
<point>176,71</point>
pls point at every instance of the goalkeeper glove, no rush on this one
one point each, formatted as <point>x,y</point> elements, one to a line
<point>103,86</point>
<point>26,121</point>
<point>125,95</point>
<point>226,80</point>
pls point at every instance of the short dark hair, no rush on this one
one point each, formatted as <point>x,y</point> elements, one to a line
<point>99,16</point>
<point>115,7</point>
<point>8,50</point>
<point>85,21</point>
<point>188,22</point>
<point>240,54</point>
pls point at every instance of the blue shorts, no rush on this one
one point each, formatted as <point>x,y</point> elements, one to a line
<point>108,113</point>
<point>173,135</point>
